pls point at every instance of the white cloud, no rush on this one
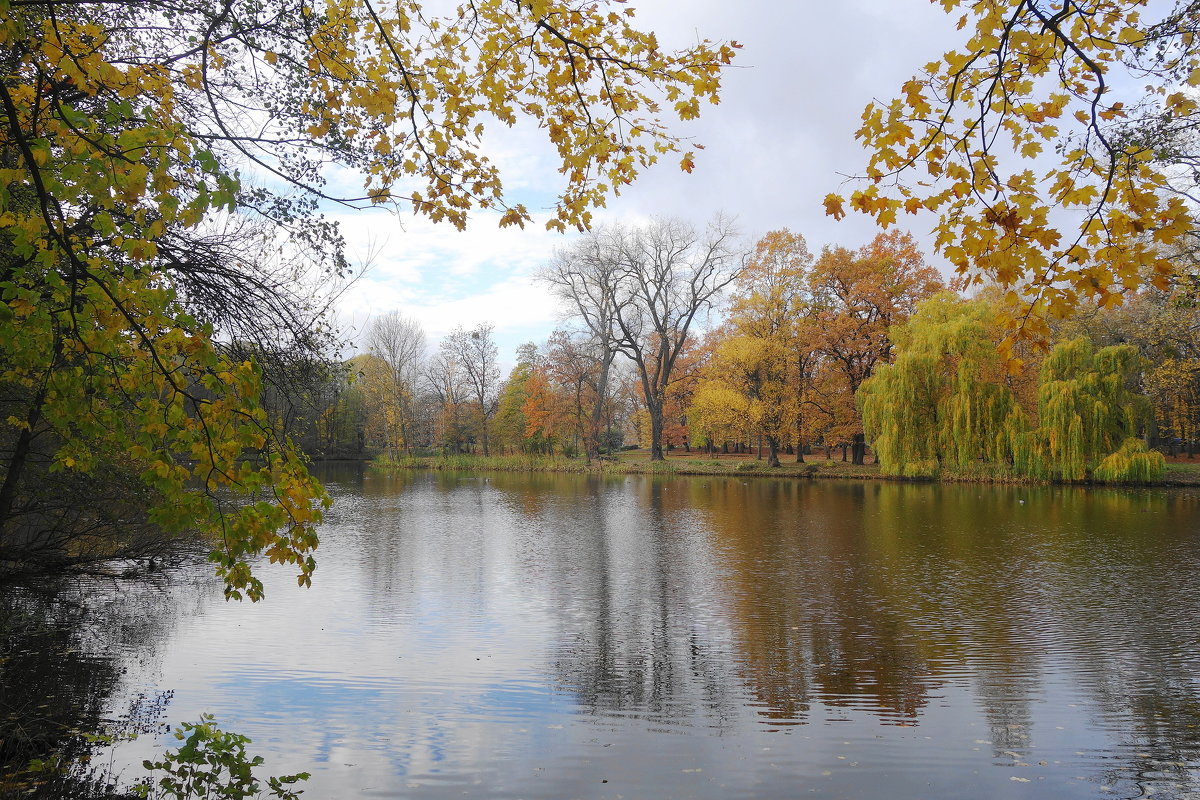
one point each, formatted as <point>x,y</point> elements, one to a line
<point>444,279</point>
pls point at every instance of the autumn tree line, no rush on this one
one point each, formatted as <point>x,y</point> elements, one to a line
<point>678,338</point>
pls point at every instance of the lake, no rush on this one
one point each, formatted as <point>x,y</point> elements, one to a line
<point>565,636</point>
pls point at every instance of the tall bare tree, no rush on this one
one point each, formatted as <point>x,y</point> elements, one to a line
<point>587,279</point>
<point>669,273</point>
<point>399,344</point>
<point>476,353</point>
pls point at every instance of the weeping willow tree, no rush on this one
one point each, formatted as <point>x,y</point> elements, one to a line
<point>948,403</point>
<point>945,401</point>
<point>1089,418</point>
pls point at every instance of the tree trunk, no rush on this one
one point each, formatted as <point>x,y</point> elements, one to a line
<point>593,437</point>
<point>773,452</point>
<point>20,454</point>
<point>859,449</point>
<point>656,432</point>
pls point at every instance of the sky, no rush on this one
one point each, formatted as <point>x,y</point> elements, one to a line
<point>781,138</point>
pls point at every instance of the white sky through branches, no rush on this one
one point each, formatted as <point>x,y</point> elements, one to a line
<point>781,139</point>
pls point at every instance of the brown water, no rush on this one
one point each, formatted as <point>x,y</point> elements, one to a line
<point>508,636</point>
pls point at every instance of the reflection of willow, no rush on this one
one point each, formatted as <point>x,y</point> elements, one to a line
<point>639,632</point>
<point>1161,749</point>
<point>385,505</point>
<point>973,577</point>
<point>1095,584</point>
<point>63,653</point>
<point>814,619</point>
<point>1127,566</point>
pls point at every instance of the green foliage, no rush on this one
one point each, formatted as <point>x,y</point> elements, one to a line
<point>1088,412</point>
<point>1132,463</point>
<point>943,403</point>
<point>212,764</point>
<point>511,421</point>
<point>948,404</point>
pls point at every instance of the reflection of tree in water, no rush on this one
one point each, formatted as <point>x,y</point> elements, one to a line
<point>49,687</point>
<point>675,600</point>
<point>1127,587</point>
<point>64,651</point>
<point>814,621</point>
<point>1088,583</point>
<point>1161,750</point>
<point>639,631</point>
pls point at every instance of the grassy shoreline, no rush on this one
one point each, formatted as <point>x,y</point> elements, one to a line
<point>739,466</point>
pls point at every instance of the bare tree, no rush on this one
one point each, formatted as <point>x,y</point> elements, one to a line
<point>446,384</point>
<point>587,279</point>
<point>399,343</point>
<point>476,353</point>
<point>669,273</point>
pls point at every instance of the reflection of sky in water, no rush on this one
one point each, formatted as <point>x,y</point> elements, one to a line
<point>557,636</point>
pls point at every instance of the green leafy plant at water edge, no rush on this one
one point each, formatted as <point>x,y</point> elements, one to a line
<point>212,764</point>
<point>1132,462</point>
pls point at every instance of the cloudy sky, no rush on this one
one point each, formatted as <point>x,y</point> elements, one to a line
<point>780,140</point>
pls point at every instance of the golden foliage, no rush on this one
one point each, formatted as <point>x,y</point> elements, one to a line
<point>1034,154</point>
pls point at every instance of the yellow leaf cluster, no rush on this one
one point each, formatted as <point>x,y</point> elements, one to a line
<point>1016,143</point>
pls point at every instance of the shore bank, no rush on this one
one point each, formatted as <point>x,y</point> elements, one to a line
<point>636,462</point>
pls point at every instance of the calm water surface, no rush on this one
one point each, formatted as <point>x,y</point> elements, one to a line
<point>561,636</point>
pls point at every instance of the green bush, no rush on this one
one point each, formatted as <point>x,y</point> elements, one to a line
<point>212,764</point>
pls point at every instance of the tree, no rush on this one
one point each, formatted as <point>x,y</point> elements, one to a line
<point>1089,418</point>
<point>670,273</point>
<point>399,345</point>
<point>856,298</point>
<point>749,375</point>
<point>950,401</point>
<point>587,279</point>
<point>510,414</point>
<point>1165,328</point>
<point>475,353</point>
<point>446,378</point>
<point>772,309</point>
<point>718,413</point>
<point>1047,148</point>
<point>546,411</point>
<point>947,400</point>
<point>579,366</point>
<point>128,130</point>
